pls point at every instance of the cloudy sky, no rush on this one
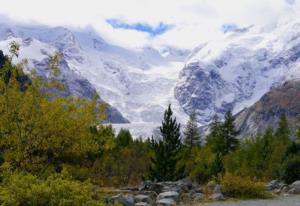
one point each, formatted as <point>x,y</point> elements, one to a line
<point>135,23</point>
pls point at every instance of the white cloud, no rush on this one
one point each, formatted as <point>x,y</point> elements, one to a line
<point>194,20</point>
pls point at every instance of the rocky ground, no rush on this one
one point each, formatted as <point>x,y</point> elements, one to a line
<point>185,192</point>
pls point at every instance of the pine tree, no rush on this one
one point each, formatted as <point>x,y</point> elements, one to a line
<point>217,166</point>
<point>222,137</point>
<point>124,138</point>
<point>283,131</point>
<point>229,134</point>
<point>214,139</point>
<point>166,150</point>
<point>192,134</point>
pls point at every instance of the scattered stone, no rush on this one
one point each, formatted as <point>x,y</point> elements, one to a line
<point>142,204</point>
<point>125,200</point>
<point>217,196</point>
<point>165,202</point>
<point>294,187</point>
<point>151,186</point>
<point>143,198</point>
<point>169,195</point>
<point>272,185</point>
<point>185,185</point>
<point>218,189</point>
<point>211,185</point>
<point>198,196</point>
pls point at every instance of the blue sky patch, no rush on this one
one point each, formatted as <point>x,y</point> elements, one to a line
<point>142,27</point>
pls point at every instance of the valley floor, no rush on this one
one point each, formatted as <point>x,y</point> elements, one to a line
<point>286,201</point>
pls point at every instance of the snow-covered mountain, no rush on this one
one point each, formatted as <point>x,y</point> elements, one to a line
<point>234,72</point>
<point>230,73</point>
<point>138,82</point>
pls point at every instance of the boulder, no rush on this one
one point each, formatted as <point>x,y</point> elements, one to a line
<point>165,202</point>
<point>272,185</point>
<point>185,185</point>
<point>124,200</point>
<point>151,186</point>
<point>198,196</point>
<point>294,188</point>
<point>142,204</point>
<point>217,196</point>
<point>169,195</point>
<point>218,189</point>
<point>211,185</point>
<point>143,198</point>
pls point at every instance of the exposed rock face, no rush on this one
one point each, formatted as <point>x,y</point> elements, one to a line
<point>236,71</point>
<point>283,100</point>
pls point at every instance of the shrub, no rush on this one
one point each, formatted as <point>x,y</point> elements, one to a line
<point>242,187</point>
<point>26,189</point>
<point>290,171</point>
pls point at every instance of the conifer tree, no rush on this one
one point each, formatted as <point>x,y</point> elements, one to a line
<point>166,150</point>
<point>229,134</point>
<point>192,134</point>
<point>283,131</point>
<point>124,138</point>
<point>222,137</point>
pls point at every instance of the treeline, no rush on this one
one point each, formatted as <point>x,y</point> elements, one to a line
<point>55,150</point>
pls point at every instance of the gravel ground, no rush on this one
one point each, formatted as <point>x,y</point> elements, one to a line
<point>287,201</point>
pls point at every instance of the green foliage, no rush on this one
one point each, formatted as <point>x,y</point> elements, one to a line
<point>291,169</point>
<point>123,164</point>
<point>222,138</point>
<point>217,166</point>
<point>242,187</point>
<point>262,157</point>
<point>26,189</point>
<point>124,138</point>
<point>166,150</point>
<point>191,132</point>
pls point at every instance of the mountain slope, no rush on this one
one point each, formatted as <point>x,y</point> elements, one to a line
<point>138,82</point>
<point>283,100</point>
<point>234,72</point>
<point>37,53</point>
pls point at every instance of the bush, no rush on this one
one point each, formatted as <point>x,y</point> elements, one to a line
<point>242,187</point>
<point>291,169</point>
<point>25,189</point>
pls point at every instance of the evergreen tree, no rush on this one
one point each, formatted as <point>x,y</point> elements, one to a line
<point>214,139</point>
<point>192,134</point>
<point>222,137</point>
<point>229,134</point>
<point>166,150</point>
<point>283,131</point>
<point>217,166</point>
<point>124,138</point>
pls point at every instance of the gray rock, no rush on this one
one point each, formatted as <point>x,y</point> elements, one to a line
<point>125,200</point>
<point>165,202</point>
<point>142,204</point>
<point>184,185</point>
<point>294,188</point>
<point>211,185</point>
<point>198,196</point>
<point>217,196</point>
<point>169,195</point>
<point>143,198</point>
<point>151,186</point>
<point>218,189</point>
<point>272,185</point>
